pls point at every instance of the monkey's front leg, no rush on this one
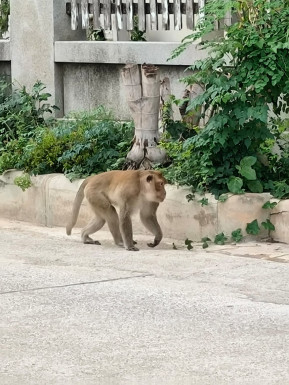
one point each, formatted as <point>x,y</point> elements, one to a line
<point>125,226</point>
<point>149,219</point>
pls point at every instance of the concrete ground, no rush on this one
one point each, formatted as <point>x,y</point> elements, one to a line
<point>77,314</point>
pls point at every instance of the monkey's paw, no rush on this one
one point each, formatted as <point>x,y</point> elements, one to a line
<point>153,244</point>
<point>91,242</point>
<point>132,248</point>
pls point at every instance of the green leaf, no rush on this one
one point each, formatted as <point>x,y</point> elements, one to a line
<point>190,197</point>
<point>255,186</point>
<point>247,172</point>
<point>188,243</point>
<point>220,239</point>
<point>253,227</point>
<point>248,161</point>
<point>269,205</point>
<point>237,235</point>
<point>268,225</point>
<point>245,168</point>
<point>205,239</point>
<point>204,201</point>
<point>235,184</point>
<point>205,245</point>
<point>223,197</point>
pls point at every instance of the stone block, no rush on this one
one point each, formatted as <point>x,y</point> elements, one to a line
<point>280,219</point>
<point>239,210</point>
<point>181,219</point>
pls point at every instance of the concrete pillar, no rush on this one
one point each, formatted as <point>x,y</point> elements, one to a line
<point>34,27</point>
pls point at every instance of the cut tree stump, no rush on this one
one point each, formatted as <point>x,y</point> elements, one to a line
<point>142,88</point>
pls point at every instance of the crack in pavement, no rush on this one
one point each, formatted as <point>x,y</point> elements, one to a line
<point>75,284</point>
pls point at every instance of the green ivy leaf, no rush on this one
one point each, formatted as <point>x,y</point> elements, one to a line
<point>205,241</point>
<point>220,239</point>
<point>204,201</point>
<point>268,225</point>
<point>245,168</point>
<point>255,186</point>
<point>237,235</point>
<point>188,243</point>
<point>253,227</point>
<point>269,205</point>
<point>235,184</point>
<point>190,197</point>
<point>223,198</point>
<point>205,245</point>
<point>248,161</point>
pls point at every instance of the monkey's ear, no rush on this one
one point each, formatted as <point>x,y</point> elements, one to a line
<point>149,178</point>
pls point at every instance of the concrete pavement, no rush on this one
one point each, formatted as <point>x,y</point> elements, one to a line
<point>77,314</point>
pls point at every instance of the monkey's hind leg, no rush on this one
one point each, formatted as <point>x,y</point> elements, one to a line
<point>94,225</point>
<point>113,225</point>
<point>102,208</point>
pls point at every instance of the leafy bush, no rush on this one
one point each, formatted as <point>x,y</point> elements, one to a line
<point>241,146</point>
<point>81,145</point>
<point>78,146</point>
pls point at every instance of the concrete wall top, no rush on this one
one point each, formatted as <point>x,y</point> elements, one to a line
<point>5,50</point>
<point>124,52</point>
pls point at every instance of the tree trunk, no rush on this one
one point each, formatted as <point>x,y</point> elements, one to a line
<point>143,96</point>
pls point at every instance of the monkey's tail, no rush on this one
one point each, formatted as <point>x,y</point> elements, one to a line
<point>76,207</point>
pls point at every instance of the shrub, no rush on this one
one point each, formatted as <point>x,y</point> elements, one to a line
<point>243,78</point>
<point>78,146</point>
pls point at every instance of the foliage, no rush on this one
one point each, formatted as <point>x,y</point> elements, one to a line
<point>188,243</point>
<point>78,146</point>
<point>136,34</point>
<point>23,181</point>
<point>242,147</point>
<point>253,227</point>
<point>22,114</point>
<point>4,16</point>
<point>268,225</point>
<point>204,202</point>
<point>220,239</point>
<point>269,205</point>
<point>205,241</point>
<point>96,34</point>
<point>223,198</point>
<point>237,235</point>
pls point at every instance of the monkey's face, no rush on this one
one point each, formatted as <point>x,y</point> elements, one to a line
<point>155,191</point>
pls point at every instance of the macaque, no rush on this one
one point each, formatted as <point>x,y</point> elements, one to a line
<point>129,191</point>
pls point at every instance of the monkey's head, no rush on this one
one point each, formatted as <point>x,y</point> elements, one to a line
<point>155,186</point>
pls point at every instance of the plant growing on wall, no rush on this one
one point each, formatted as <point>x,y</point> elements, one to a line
<point>243,77</point>
<point>136,34</point>
<point>4,16</point>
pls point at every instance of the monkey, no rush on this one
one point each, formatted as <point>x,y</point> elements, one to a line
<point>129,191</point>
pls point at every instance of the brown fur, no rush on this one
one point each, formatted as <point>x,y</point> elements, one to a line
<point>129,191</point>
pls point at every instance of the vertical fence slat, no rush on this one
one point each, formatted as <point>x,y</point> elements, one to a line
<point>129,15</point>
<point>201,9</point>
<point>177,15</point>
<point>141,15</point>
<point>118,14</point>
<point>107,14</point>
<point>84,14</point>
<point>190,14</point>
<point>165,15</point>
<point>96,14</point>
<point>154,15</point>
<point>74,15</point>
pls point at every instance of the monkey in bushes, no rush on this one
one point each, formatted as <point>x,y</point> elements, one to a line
<point>129,191</point>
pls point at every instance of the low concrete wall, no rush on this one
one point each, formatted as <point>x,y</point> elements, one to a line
<point>49,202</point>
